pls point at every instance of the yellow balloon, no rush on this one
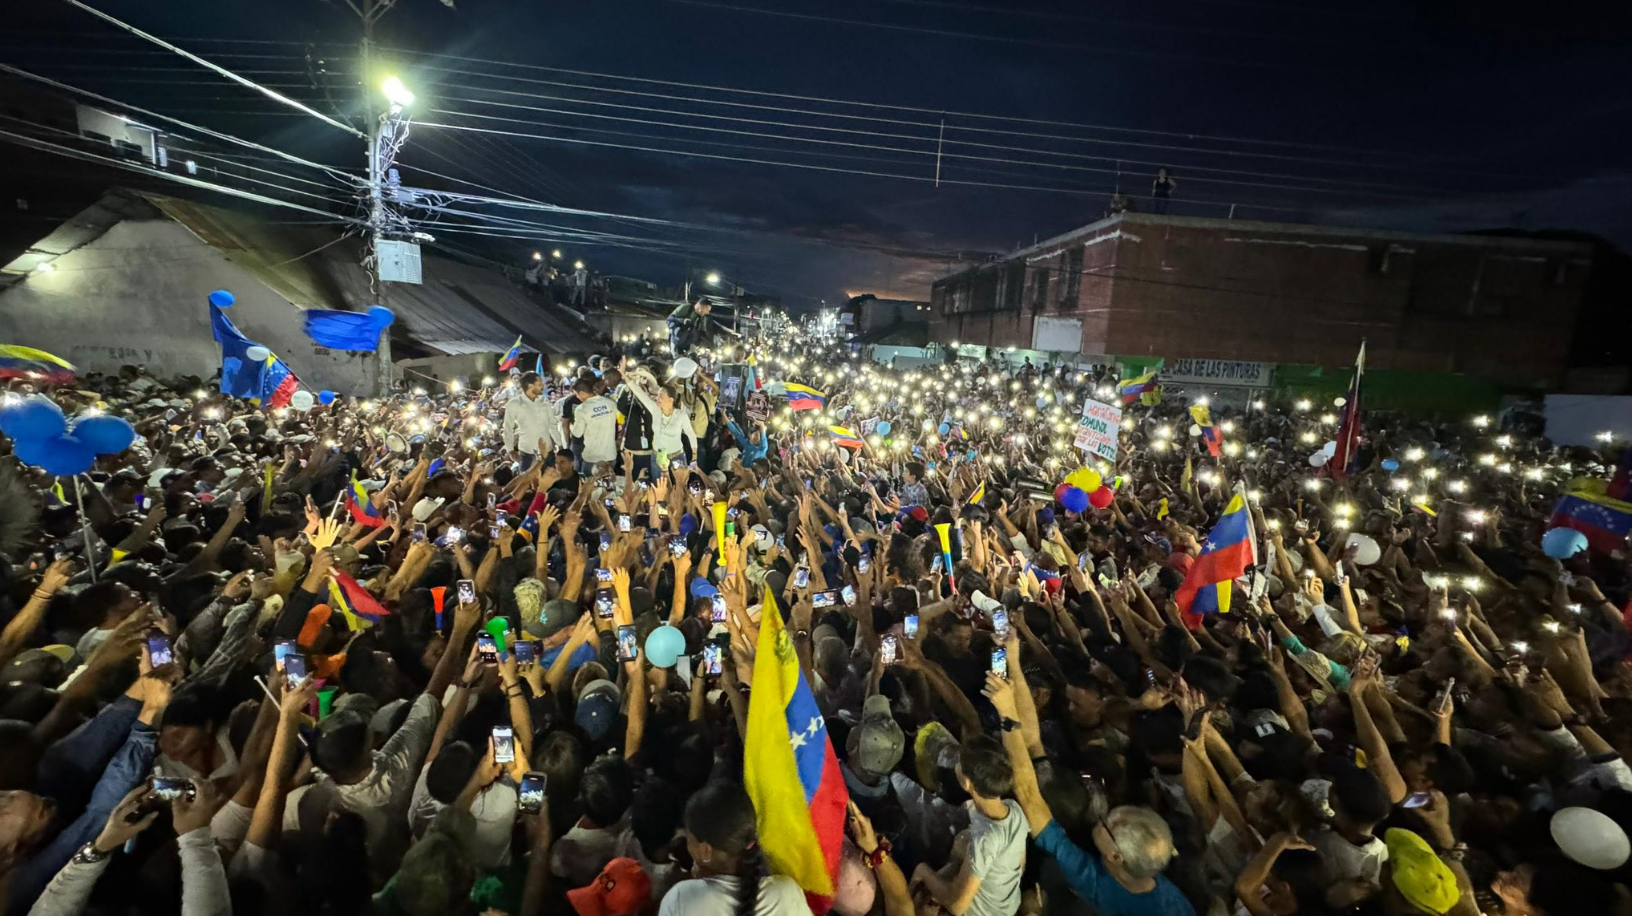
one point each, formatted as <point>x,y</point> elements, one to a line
<point>1085,479</point>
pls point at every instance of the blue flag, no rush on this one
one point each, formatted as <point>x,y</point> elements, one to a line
<point>268,382</point>
<point>356,331</point>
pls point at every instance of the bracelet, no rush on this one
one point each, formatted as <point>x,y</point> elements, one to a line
<point>90,855</point>
<point>876,858</point>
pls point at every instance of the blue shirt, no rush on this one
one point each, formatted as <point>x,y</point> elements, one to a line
<point>1090,881</point>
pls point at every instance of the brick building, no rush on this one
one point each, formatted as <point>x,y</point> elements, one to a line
<point>1143,285</point>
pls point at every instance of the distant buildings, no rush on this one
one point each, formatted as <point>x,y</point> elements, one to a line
<point>1503,308</point>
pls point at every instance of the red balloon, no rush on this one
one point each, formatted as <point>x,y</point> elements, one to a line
<point>1059,492</point>
<point>1101,497</point>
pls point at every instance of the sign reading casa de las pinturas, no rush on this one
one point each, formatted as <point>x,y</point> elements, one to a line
<point>1220,373</point>
<point>1098,429</point>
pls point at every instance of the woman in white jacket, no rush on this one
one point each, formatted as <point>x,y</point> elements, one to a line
<point>671,426</point>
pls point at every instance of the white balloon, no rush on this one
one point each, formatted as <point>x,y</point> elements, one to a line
<point>1195,430</point>
<point>1339,402</point>
<point>301,400</point>
<point>257,354</point>
<point>1318,460</point>
<point>684,367</point>
<point>1330,448</point>
<point>1591,838</point>
<point>1369,552</point>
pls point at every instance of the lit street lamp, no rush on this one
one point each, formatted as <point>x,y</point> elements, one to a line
<point>396,93</point>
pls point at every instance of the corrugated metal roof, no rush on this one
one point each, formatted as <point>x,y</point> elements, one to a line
<point>460,308</point>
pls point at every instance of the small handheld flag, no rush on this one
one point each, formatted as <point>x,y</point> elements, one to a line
<point>804,397</point>
<point>1209,433</point>
<point>508,362</point>
<point>1134,389</point>
<point>1229,551</point>
<point>362,508</point>
<point>844,438</point>
<point>979,496</point>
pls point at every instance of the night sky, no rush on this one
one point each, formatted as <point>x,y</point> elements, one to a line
<point>1424,116</point>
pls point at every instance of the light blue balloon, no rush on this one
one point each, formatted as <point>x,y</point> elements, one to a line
<point>1563,543</point>
<point>222,299</point>
<point>664,646</point>
<point>884,427</point>
<point>944,427</point>
<point>1390,465</point>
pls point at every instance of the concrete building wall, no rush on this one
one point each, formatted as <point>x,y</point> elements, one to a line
<point>137,295</point>
<point>1175,287</point>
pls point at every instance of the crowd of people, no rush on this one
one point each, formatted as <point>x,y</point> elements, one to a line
<point>490,650</point>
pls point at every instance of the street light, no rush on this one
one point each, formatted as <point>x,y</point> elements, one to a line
<point>396,93</point>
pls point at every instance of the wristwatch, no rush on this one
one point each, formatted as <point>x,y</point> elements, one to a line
<point>1008,724</point>
<point>90,855</point>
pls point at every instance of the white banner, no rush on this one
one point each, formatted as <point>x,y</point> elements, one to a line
<point>1222,373</point>
<point>1098,429</point>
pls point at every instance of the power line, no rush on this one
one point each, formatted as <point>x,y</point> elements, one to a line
<point>922,152</point>
<point>1005,39</point>
<point>939,113</point>
<point>49,147</point>
<point>7,68</point>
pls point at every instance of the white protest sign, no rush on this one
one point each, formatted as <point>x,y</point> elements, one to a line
<point>1098,429</point>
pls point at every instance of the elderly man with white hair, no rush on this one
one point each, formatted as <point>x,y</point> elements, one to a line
<point>1122,874</point>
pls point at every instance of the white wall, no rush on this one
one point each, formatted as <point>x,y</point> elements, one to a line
<point>1577,419</point>
<point>138,295</point>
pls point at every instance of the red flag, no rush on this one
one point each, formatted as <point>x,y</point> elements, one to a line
<point>1348,432</point>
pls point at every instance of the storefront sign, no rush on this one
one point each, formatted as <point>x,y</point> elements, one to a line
<point>1222,373</point>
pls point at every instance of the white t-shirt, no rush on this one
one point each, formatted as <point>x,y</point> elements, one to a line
<point>1344,860</point>
<point>779,895</point>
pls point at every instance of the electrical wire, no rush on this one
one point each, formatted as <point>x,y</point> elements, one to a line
<point>931,153</point>
<point>932,112</point>
<point>15,71</point>
<point>46,146</point>
<point>223,71</point>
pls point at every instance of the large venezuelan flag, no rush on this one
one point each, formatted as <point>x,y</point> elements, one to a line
<point>1588,508</point>
<point>1229,550</point>
<point>791,772</point>
<point>804,397</point>
<point>28,363</point>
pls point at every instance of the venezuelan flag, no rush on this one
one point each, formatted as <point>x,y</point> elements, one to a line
<point>844,438</point>
<point>804,397</point>
<point>510,356</point>
<point>790,770</point>
<point>1209,432</point>
<point>1588,508</point>
<point>278,384</point>
<point>1136,388</point>
<point>979,496</point>
<point>37,365</point>
<point>362,509</point>
<point>1229,550</point>
<point>348,596</point>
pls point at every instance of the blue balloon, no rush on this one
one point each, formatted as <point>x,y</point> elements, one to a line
<point>884,427</point>
<point>1563,543</point>
<point>222,299</point>
<point>65,456</point>
<point>664,646</point>
<point>1390,465</point>
<point>381,316</point>
<point>1075,500</point>
<point>325,396</point>
<point>104,435</point>
<point>33,417</point>
<point>943,428</point>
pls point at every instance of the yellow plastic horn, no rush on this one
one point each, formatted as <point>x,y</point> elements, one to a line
<point>719,528</point>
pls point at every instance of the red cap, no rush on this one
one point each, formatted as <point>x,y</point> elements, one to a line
<point>919,513</point>
<point>621,889</point>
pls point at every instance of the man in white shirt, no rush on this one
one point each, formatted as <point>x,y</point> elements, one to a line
<point>530,419</point>
<point>596,420</point>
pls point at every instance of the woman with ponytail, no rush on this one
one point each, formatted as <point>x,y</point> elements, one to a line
<point>728,871</point>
